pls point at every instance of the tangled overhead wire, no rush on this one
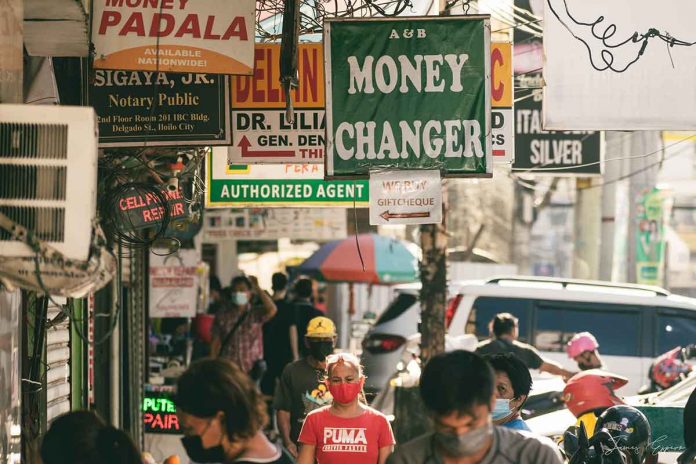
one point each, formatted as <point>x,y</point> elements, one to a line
<point>603,35</point>
<point>313,12</point>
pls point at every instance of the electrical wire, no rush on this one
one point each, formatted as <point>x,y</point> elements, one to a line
<point>609,31</point>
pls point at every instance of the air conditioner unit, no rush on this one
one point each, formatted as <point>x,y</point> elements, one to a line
<point>48,176</point>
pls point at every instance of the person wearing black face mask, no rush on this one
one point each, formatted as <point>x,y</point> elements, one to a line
<point>222,415</point>
<point>301,388</point>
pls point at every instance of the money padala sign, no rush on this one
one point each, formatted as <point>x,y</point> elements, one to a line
<point>408,93</point>
<point>200,36</point>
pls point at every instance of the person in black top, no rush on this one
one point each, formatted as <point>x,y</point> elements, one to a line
<point>505,331</point>
<point>304,311</point>
<point>277,349</point>
<point>222,416</point>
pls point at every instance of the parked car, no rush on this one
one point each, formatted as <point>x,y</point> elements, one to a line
<point>633,324</point>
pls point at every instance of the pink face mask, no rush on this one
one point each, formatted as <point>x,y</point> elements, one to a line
<point>345,393</point>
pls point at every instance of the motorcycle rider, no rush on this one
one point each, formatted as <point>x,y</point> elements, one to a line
<point>587,395</point>
<point>621,436</point>
<point>671,367</point>
<point>582,348</point>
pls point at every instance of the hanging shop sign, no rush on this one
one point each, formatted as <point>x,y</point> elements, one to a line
<point>274,224</point>
<point>408,93</point>
<point>159,413</point>
<point>174,283</point>
<point>650,238</point>
<point>502,98</point>
<point>201,36</point>
<point>140,107</point>
<point>261,129</point>
<point>562,153</point>
<point>140,209</point>
<point>619,65</point>
<point>299,185</point>
<point>539,152</point>
<point>405,197</point>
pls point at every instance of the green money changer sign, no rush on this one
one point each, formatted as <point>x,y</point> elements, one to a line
<point>408,93</point>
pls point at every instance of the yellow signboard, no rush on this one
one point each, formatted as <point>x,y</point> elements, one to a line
<point>263,89</point>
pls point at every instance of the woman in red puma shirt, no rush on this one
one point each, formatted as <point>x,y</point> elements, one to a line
<point>348,430</point>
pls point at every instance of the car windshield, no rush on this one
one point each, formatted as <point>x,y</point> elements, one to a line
<point>397,307</point>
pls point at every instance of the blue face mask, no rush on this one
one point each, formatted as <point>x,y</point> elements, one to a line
<point>240,298</point>
<point>501,409</point>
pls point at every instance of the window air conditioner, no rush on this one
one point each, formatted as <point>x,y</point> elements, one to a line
<point>48,176</point>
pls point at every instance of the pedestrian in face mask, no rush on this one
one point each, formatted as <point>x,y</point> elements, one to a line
<point>222,415</point>
<point>301,388</point>
<point>457,389</point>
<point>348,431</point>
<point>238,327</point>
<point>513,382</point>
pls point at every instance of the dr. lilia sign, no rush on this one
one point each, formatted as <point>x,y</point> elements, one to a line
<point>408,93</point>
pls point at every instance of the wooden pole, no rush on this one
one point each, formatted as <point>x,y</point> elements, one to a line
<point>433,294</point>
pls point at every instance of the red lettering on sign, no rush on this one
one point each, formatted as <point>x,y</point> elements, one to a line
<point>257,92</point>
<point>273,91</point>
<point>190,26</point>
<point>134,24</point>
<point>156,28</point>
<point>236,29</point>
<point>209,30</point>
<point>109,18</point>
<point>497,59</point>
<point>310,78</point>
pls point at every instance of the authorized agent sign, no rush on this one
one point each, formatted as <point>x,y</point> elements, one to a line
<point>408,93</point>
<point>278,185</point>
<point>200,36</point>
<point>261,130</point>
<point>405,197</point>
<point>189,109</point>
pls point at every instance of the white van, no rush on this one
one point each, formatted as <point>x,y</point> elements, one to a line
<point>633,324</point>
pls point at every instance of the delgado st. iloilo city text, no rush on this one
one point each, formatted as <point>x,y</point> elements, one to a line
<point>454,138</point>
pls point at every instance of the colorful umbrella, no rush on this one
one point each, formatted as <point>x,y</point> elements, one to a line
<point>386,261</point>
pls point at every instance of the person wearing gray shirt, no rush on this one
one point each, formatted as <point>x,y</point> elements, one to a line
<point>457,389</point>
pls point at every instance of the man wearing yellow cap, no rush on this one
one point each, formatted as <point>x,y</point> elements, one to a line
<point>301,388</point>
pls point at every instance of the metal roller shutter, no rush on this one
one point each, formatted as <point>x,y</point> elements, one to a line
<point>57,364</point>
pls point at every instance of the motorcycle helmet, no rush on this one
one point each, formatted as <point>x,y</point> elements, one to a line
<point>592,389</point>
<point>668,368</point>
<point>581,342</point>
<point>630,430</point>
